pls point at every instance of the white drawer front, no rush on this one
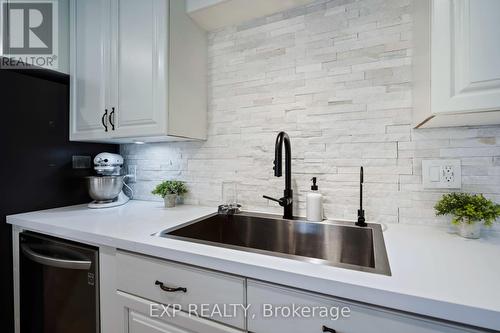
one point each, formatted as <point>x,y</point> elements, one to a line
<point>362,319</point>
<point>208,294</point>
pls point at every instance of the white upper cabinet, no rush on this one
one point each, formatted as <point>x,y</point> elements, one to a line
<point>89,65</point>
<point>133,79</point>
<point>457,63</point>
<point>139,70</point>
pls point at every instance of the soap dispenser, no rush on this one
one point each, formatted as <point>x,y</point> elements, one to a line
<point>314,203</point>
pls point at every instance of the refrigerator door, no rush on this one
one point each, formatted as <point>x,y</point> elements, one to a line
<point>59,286</point>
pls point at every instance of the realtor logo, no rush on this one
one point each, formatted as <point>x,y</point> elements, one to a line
<point>29,34</point>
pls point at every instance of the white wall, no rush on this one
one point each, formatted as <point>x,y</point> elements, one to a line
<point>336,76</point>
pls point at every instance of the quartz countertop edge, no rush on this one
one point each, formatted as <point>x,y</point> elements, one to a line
<point>434,273</point>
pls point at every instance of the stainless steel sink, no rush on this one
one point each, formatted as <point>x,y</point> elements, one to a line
<point>340,244</point>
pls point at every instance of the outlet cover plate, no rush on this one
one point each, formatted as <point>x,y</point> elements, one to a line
<point>132,173</point>
<point>446,174</point>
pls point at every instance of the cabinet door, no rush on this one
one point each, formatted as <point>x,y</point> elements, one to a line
<point>139,46</point>
<point>465,56</point>
<point>138,318</point>
<point>281,309</point>
<point>139,323</point>
<point>89,24</point>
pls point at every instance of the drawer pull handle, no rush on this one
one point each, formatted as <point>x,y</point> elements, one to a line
<point>168,289</point>
<point>327,329</point>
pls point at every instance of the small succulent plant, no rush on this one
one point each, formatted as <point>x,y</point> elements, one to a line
<point>468,208</point>
<point>170,187</point>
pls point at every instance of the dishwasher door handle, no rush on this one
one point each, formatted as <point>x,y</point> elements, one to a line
<point>56,262</point>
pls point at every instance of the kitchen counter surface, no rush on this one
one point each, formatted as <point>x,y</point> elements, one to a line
<point>434,273</point>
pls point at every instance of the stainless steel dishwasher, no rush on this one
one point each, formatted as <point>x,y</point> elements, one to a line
<point>59,285</point>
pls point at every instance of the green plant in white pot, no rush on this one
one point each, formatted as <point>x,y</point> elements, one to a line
<point>169,190</point>
<point>469,212</point>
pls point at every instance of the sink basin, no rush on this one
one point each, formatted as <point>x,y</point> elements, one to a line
<point>340,244</point>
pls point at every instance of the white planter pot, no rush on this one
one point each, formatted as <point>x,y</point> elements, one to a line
<point>470,230</point>
<point>170,200</point>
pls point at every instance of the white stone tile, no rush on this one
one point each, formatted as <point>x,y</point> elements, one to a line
<point>336,75</point>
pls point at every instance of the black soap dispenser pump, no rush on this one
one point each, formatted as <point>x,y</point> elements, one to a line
<point>314,203</point>
<point>314,187</point>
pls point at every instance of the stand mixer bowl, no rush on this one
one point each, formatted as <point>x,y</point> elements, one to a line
<point>104,189</point>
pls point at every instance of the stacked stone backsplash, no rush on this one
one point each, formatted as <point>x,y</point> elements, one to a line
<point>335,75</point>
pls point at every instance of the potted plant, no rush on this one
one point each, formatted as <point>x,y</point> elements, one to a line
<point>169,190</point>
<point>469,212</point>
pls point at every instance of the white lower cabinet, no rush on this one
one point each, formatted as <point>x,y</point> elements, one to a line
<point>138,318</point>
<point>202,292</point>
<point>272,311</point>
<point>271,308</point>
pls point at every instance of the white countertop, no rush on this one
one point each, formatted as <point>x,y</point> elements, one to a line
<point>434,273</point>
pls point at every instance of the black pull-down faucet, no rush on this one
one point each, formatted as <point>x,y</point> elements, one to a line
<point>287,201</point>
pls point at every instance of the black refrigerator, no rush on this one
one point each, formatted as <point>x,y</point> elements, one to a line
<point>36,158</point>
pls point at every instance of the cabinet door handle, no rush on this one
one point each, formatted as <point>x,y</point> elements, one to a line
<point>111,118</point>
<point>327,329</point>
<point>168,289</point>
<point>104,119</point>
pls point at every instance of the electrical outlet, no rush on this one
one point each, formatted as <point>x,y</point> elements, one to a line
<point>448,172</point>
<point>445,174</point>
<point>81,162</point>
<point>132,173</point>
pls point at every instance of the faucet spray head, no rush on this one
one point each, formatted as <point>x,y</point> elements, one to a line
<point>277,167</point>
<point>278,152</point>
